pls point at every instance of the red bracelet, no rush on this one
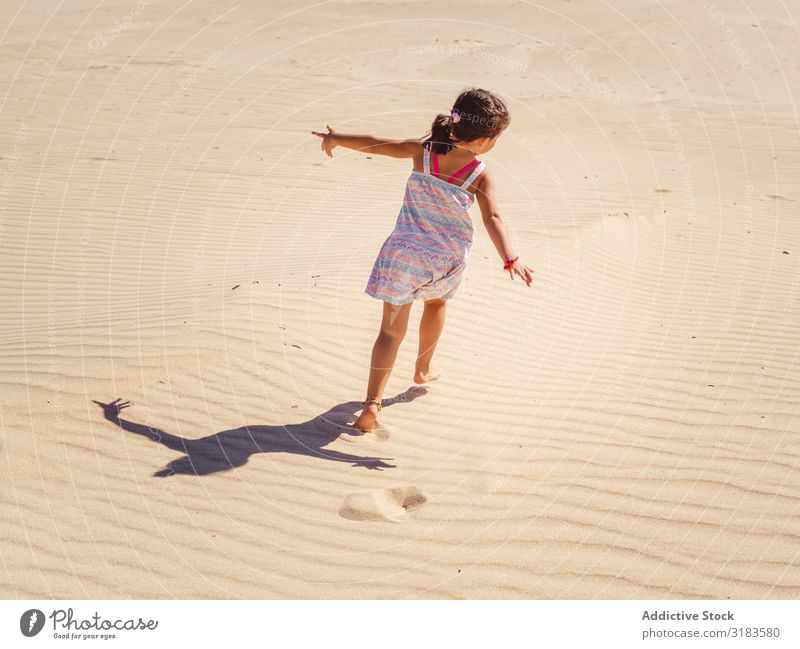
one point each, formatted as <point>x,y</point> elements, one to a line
<point>509,262</point>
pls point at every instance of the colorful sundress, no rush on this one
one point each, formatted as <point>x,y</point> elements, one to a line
<point>426,254</point>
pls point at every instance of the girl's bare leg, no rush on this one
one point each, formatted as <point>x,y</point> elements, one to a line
<point>384,352</point>
<point>430,328</point>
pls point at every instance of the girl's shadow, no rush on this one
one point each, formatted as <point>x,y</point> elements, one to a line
<point>229,449</point>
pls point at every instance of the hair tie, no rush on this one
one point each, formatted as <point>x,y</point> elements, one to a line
<point>455,117</point>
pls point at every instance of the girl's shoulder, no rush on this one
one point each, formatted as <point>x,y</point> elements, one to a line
<point>484,187</point>
<point>484,179</point>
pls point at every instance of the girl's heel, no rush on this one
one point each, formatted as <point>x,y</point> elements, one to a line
<point>366,420</point>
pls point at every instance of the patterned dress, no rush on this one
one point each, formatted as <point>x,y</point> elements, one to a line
<point>425,255</point>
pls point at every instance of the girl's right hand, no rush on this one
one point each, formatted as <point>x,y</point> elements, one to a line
<point>525,272</point>
<point>328,141</point>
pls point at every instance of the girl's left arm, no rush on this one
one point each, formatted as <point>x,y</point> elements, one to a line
<point>495,226</point>
<point>368,144</point>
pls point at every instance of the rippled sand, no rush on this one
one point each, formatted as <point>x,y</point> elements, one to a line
<point>172,236</point>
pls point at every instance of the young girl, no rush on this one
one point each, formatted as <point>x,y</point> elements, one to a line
<point>426,254</point>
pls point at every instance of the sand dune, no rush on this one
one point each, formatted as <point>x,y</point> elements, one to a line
<point>172,237</point>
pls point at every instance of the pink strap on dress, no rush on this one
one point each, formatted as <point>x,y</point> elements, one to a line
<point>464,169</point>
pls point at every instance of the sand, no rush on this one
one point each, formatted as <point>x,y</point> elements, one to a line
<point>173,237</point>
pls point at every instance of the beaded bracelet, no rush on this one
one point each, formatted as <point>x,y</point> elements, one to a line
<point>510,261</point>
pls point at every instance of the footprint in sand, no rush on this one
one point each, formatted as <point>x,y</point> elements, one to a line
<point>341,423</point>
<point>393,504</point>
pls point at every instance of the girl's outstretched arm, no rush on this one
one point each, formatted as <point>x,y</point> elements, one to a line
<point>495,226</point>
<point>368,144</point>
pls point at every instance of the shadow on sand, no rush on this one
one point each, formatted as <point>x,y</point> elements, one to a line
<point>230,449</point>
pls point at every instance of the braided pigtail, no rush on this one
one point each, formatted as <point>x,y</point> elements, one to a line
<point>441,139</point>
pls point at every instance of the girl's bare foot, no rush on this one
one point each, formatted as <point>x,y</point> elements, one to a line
<point>423,376</point>
<point>367,418</point>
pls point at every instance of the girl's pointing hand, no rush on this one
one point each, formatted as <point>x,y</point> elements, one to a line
<point>328,140</point>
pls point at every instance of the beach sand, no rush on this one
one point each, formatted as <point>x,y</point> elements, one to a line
<point>173,237</point>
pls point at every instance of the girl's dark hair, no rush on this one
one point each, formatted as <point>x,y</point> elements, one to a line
<point>480,114</point>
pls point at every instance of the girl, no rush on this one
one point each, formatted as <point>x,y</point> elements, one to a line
<point>426,254</point>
